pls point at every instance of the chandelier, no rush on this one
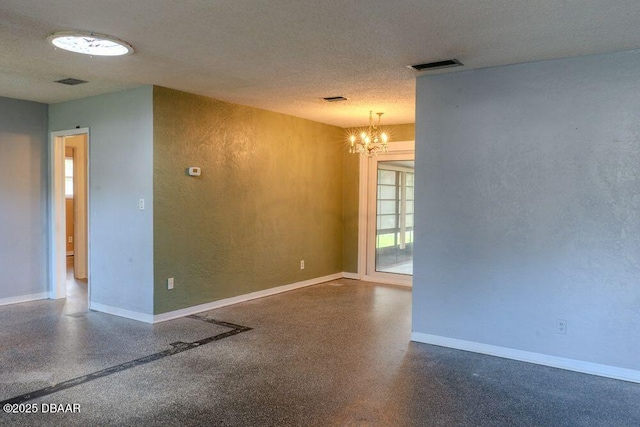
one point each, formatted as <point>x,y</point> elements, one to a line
<point>371,141</point>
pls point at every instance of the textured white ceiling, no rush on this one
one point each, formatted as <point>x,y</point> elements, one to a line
<point>285,55</point>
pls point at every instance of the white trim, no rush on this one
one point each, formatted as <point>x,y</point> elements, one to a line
<point>135,315</point>
<point>527,356</point>
<point>57,216</point>
<point>400,146</point>
<point>57,225</point>
<point>354,276</point>
<point>363,190</point>
<point>390,279</point>
<point>401,150</point>
<point>24,298</point>
<point>242,298</point>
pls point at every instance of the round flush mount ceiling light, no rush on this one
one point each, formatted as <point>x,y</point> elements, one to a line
<point>89,43</point>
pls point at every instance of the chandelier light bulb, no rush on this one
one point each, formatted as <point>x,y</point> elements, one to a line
<point>372,140</point>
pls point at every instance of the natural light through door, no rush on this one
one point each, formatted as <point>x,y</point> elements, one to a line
<point>394,217</point>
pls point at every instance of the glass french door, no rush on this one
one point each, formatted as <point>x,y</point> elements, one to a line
<point>394,217</point>
<point>390,218</point>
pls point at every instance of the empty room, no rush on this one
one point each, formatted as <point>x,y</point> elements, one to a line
<point>334,213</point>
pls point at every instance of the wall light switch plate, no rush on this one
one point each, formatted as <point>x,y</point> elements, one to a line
<point>195,171</point>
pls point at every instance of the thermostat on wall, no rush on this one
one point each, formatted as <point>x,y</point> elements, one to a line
<point>195,171</point>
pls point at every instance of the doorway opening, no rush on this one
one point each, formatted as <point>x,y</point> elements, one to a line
<point>394,217</point>
<point>69,218</point>
<point>385,244</point>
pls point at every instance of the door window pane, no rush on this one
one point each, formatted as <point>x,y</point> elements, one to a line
<point>387,192</point>
<point>387,222</point>
<point>410,193</point>
<point>387,207</point>
<point>409,220</point>
<point>409,206</point>
<point>386,177</point>
<point>410,179</point>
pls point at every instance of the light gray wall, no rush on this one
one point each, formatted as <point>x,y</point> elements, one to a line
<point>23,198</point>
<point>528,207</point>
<point>120,173</point>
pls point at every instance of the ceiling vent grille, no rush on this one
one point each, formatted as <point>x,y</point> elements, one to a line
<point>71,82</point>
<point>335,98</point>
<point>437,65</point>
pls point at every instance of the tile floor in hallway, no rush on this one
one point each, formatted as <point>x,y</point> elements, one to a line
<point>333,354</point>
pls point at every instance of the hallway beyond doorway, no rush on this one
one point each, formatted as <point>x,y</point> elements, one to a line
<point>77,300</point>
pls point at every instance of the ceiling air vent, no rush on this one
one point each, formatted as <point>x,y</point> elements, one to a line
<point>71,82</point>
<point>437,65</point>
<point>335,98</point>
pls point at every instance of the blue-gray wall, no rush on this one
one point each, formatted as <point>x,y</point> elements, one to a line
<point>529,207</point>
<point>120,173</point>
<point>23,198</point>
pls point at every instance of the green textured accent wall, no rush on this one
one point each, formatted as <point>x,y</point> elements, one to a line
<point>405,132</point>
<point>270,195</point>
<point>351,177</point>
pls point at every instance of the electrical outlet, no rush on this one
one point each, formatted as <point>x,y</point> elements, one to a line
<point>561,326</point>
<point>141,204</point>
<point>170,283</point>
<point>70,239</point>
<point>301,264</point>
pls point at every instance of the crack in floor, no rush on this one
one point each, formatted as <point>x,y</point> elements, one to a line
<point>176,347</point>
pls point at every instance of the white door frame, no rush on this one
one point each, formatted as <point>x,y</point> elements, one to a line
<point>367,201</point>
<point>57,214</point>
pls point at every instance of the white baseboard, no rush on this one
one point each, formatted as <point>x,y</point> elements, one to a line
<point>242,298</point>
<point>527,356</point>
<point>401,281</point>
<point>24,298</point>
<point>135,315</point>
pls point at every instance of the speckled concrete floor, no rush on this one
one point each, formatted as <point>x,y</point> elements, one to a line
<point>332,354</point>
